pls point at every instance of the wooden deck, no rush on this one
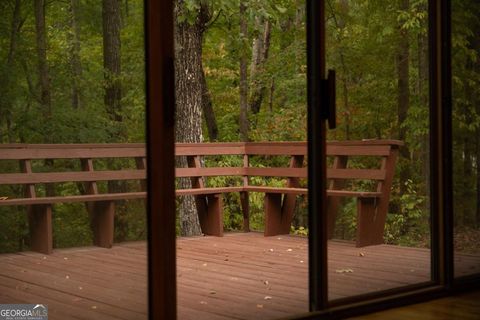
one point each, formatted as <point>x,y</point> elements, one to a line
<point>239,276</point>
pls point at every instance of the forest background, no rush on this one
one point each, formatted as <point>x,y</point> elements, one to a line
<point>73,71</point>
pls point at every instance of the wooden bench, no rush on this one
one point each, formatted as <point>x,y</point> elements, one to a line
<point>279,201</point>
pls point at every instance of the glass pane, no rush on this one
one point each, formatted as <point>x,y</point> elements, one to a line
<point>72,101</point>
<point>241,76</point>
<point>379,229</point>
<point>466,135</point>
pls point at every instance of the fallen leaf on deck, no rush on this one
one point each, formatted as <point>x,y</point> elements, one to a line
<point>67,277</point>
<point>65,258</point>
<point>265,282</point>
<point>204,264</point>
<point>260,306</point>
<point>203,302</point>
<point>94,307</point>
<point>234,278</point>
<point>213,292</point>
<point>301,261</point>
<point>271,250</point>
<point>267,298</point>
<point>3,198</point>
<point>344,271</point>
<point>361,254</point>
<point>80,288</point>
<point>289,250</point>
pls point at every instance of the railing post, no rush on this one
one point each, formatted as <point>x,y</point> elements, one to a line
<point>102,213</point>
<point>244,197</point>
<point>339,162</point>
<point>39,218</point>
<point>290,200</point>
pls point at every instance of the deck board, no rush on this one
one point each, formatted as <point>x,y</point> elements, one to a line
<point>239,276</point>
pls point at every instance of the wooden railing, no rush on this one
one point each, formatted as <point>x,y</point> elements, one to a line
<point>279,201</point>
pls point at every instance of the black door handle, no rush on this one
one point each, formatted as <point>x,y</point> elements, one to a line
<point>327,99</point>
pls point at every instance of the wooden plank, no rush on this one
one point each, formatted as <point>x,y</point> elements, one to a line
<point>90,186</point>
<point>102,221</point>
<point>357,194</point>
<point>245,197</point>
<point>277,172</point>
<point>40,225</point>
<point>367,174</point>
<point>34,152</point>
<point>78,198</point>
<point>205,149</point>
<point>209,172</point>
<point>277,149</point>
<point>141,163</point>
<point>79,176</point>
<point>276,190</point>
<point>26,167</point>
<point>358,150</point>
<point>339,162</point>
<point>198,191</point>
<point>367,142</point>
<point>290,200</point>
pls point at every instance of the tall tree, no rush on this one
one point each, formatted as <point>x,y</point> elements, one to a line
<point>190,25</point>
<point>243,73</point>
<point>111,17</point>
<point>75,63</point>
<point>208,112</point>
<point>43,70</point>
<point>260,49</point>
<point>6,79</point>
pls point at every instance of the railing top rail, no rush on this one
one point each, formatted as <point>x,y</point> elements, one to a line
<point>118,150</point>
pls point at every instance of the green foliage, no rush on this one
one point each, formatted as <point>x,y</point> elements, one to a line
<point>301,231</point>
<point>411,225</point>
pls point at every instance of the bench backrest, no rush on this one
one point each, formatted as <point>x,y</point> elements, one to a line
<point>80,170</point>
<point>385,151</point>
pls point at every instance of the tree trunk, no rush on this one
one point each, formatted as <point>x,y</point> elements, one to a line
<point>5,81</point>
<point>208,112</point>
<point>260,48</point>
<point>16,25</point>
<point>189,98</point>
<point>403,97</point>
<point>243,74</point>
<point>43,73</point>
<point>75,64</point>
<point>111,17</point>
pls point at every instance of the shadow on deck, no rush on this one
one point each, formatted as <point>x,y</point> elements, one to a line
<point>239,276</point>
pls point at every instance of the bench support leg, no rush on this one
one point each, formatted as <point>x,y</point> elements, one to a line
<point>275,221</point>
<point>332,209</point>
<point>40,224</point>
<point>288,211</point>
<point>244,199</point>
<point>211,219</point>
<point>370,225</point>
<point>102,222</point>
